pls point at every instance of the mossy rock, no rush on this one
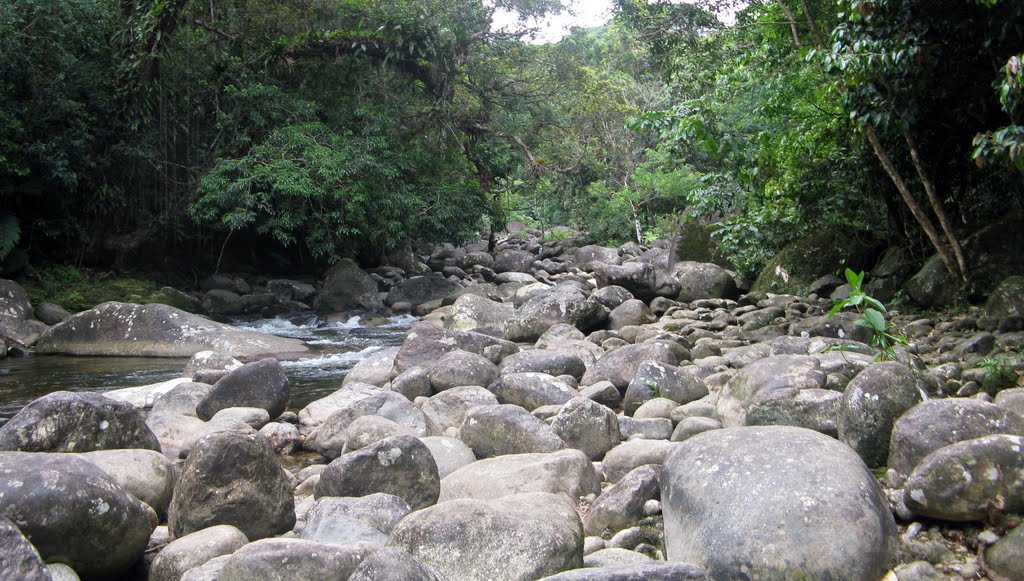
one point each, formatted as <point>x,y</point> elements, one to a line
<point>697,245</point>
<point>822,252</point>
<point>175,298</point>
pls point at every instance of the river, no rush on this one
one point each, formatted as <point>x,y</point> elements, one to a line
<point>337,348</point>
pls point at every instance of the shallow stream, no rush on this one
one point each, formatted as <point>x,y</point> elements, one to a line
<point>337,348</point>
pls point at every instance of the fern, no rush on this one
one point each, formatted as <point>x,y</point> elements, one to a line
<point>10,232</point>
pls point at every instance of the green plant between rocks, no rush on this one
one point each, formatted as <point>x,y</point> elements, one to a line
<point>1001,372</point>
<point>873,314</point>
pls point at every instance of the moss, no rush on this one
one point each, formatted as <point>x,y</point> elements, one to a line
<point>697,245</point>
<point>79,289</point>
<point>823,252</point>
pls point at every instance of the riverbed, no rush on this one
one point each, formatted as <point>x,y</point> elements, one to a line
<point>336,349</point>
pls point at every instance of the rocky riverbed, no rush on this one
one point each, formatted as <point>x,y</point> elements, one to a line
<point>559,412</point>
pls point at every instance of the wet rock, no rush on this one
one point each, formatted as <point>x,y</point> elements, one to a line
<point>872,402</point>
<point>195,549</point>
<point>264,560</point>
<point>934,424</point>
<point>402,466</point>
<point>260,384</point>
<point>622,505</point>
<point>531,390</point>
<point>76,422</point>
<point>155,330</point>
<point>567,472</point>
<point>234,479</point>
<point>653,380</point>
<point>73,512</point>
<point>967,480</point>
<point>459,368</point>
<point>834,519</point>
<point>347,287</point>
<point>763,376</point>
<point>588,426</point>
<point>621,365</point>
<point>342,520</point>
<point>526,536</point>
<point>507,429</point>
<point>18,558</point>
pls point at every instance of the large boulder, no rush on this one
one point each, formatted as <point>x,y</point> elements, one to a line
<point>292,559</point>
<point>511,260</point>
<point>18,558</point>
<point>587,426</point>
<point>824,251</point>
<point>341,520</point>
<point>333,434</point>
<point>261,384</point>
<point>377,369</point>
<point>702,280</point>
<point>775,503</point>
<point>145,474</point>
<point>461,368</point>
<point>393,563</point>
<point>401,466</point>
<point>621,365</point>
<point>195,549</point>
<point>471,311</point>
<point>763,376</point>
<point>507,429</point>
<point>76,422</point>
<point>935,424</point>
<point>16,318</point>
<point>646,281</point>
<point>654,379</point>
<point>526,536</point>
<point>421,289</point>
<point>426,343</point>
<point>531,390</point>
<point>567,472</point>
<point>234,479</point>
<point>872,402</point>
<point>154,330</point>
<point>347,287</point>
<point>622,505</point>
<point>587,254</point>
<point>966,481</point>
<point>1007,300</point>
<point>449,408</point>
<point>562,304</point>
<point>74,513</point>
<point>544,361</point>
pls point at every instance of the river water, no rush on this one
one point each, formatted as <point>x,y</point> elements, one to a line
<point>337,348</point>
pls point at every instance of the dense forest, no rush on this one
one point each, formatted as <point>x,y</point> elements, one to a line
<point>175,135</point>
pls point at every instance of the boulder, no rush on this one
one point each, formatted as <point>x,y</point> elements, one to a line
<point>154,330</point>
<point>513,261</point>
<point>588,254</point>
<point>291,559</point>
<point>376,369</point>
<point>872,402</point>
<point>620,366</point>
<point>472,311</point>
<point>291,290</point>
<point>635,571</point>
<point>611,296</point>
<point>333,433</point>
<point>14,301</point>
<point>561,304</point>
<point>366,430</point>
<point>401,466</point>
<point>566,472</point>
<point>622,505</point>
<point>449,409</point>
<point>18,558</point>
<point>622,459</point>
<point>797,266</point>
<point>644,280</point>
<point>76,422</point>
<point>426,343</point>
<point>145,474</point>
<point>421,289</point>
<point>51,314</point>
<point>219,303</point>
<point>283,437</point>
<point>543,361</point>
<point>507,429</point>
<point>587,426</point>
<point>449,454</point>
<point>763,376</point>
<point>703,280</point>
<point>814,409</point>
<point>261,384</point>
<point>73,512</point>
<point>209,366</point>
<point>526,536</point>
<point>934,424</point>
<point>195,549</point>
<point>342,520</point>
<point>234,479</point>
<point>347,287</point>
<point>461,368</point>
<point>393,563</point>
<point>654,379</point>
<point>531,390</point>
<point>775,503</point>
<point>1006,556</point>
<point>969,480</point>
<point>1007,300</point>
<point>630,313</point>
<point>413,383</point>
<point>146,396</point>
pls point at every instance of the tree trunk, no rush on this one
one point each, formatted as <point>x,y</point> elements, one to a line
<point>908,198</point>
<point>792,22</point>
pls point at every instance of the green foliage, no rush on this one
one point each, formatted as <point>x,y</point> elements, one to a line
<point>10,232</point>
<point>1008,142</point>
<point>78,290</point>
<point>873,314</point>
<point>1002,371</point>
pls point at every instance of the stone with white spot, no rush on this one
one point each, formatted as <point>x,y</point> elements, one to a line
<point>340,520</point>
<point>145,474</point>
<point>775,502</point>
<point>872,402</point>
<point>18,558</point>
<point>449,454</point>
<point>261,384</point>
<point>401,465</point>
<point>281,559</point>
<point>507,429</point>
<point>567,472</point>
<point>762,376</point>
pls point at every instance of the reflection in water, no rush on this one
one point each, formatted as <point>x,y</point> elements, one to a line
<point>337,348</point>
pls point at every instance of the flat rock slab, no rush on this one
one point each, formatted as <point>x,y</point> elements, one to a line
<point>154,330</point>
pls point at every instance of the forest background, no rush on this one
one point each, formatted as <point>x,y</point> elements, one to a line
<point>178,137</point>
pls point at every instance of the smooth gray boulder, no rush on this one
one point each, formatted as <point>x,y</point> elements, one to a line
<point>654,379</point>
<point>261,384</point>
<point>195,549</point>
<point>645,281</point>
<point>460,368</point>
<point>471,311</point>
<point>449,409</point>
<point>561,304</point>
<point>234,479</point>
<point>543,361</point>
<point>145,396</point>
<point>449,454</point>
<point>507,429</point>
<point>587,426</point>
<point>587,254</point>
<point>425,344</point>
<point>332,436</point>
<point>155,330</point>
<point>622,505</point>
<point>401,466</point>
<point>347,287</point>
<point>531,390</point>
<point>622,459</point>
<point>872,402</point>
<point>636,572</point>
<point>814,409</point>
<point>1006,556</point>
<point>393,563</point>
<point>512,260</point>
<point>182,398</point>
<point>567,472</point>
<point>630,313</point>
<point>377,369</point>
<point>775,502</point>
<point>341,520</point>
<point>292,559</point>
<point>73,512</point>
<point>765,375</point>
<point>935,424</point>
<point>366,430</point>
<point>421,289</point>
<point>703,280</point>
<point>63,421</point>
<point>145,474</point>
<point>18,558</point>
<point>968,480</point>
<point>526,536</point>
<point>620,366</point>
